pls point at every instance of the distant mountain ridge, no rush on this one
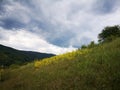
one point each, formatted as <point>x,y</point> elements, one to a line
<point>10,56</point>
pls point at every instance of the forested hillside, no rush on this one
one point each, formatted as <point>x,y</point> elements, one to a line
<point>10,56</point>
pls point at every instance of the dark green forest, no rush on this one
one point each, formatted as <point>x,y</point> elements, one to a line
<point>10,56</point>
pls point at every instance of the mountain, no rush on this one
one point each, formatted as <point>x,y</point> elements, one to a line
<point>10,56</point>
<point>96,68</point>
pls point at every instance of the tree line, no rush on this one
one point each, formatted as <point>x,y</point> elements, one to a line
<point>108,34</point>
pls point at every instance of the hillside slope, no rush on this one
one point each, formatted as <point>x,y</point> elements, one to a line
<point>97,68</point>
<point>10,56</point>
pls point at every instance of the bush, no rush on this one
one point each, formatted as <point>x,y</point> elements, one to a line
<point>83,46</point>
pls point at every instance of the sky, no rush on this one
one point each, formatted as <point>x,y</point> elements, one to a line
<point>55,26</point>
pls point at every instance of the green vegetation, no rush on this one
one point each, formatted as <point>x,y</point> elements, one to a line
<point>9,56</point>
<point>96,68</point>
<point>109,33</point>
<point>91,45</point>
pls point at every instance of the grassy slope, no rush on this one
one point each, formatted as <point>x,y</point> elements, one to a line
<point>89,69</point>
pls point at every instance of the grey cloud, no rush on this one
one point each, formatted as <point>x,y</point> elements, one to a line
<point>105,6</point>
<point>63,39</point>
<point>2,9</point>
<point>10,23</point>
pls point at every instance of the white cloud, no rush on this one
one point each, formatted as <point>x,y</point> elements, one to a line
<point>25,40</point>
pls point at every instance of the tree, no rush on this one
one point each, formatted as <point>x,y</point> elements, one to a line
<point>109,33</point>
<point>83,46</point>
<point>92,44</point>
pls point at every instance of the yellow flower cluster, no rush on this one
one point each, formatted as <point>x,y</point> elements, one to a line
<point>56,59</point>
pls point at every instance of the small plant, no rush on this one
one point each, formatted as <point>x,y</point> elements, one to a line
<point>1,75</point>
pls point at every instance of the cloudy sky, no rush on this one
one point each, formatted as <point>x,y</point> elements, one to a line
<point>55,26</point>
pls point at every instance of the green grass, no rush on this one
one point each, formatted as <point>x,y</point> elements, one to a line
<point>97,68</point>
